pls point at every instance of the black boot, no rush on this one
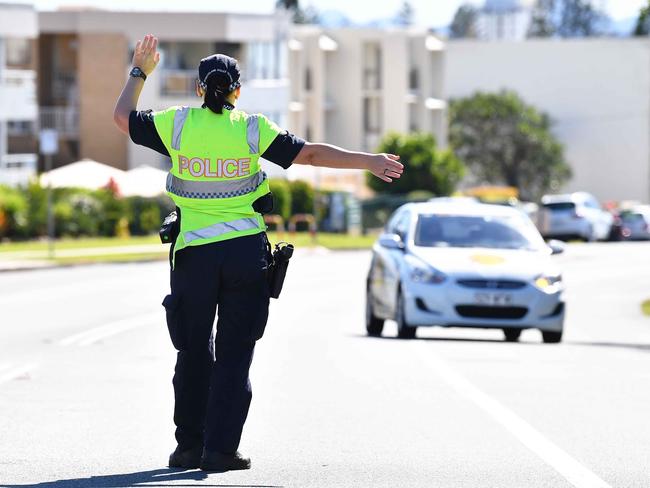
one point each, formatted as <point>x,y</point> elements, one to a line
<point>217,461</point>
<point>188,459</point>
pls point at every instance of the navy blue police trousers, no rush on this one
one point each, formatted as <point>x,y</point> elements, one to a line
<point>211,380</point>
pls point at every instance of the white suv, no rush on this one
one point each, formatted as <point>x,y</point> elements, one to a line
<point>575,215</point>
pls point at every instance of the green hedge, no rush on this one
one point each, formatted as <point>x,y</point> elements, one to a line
<point>78,212</point>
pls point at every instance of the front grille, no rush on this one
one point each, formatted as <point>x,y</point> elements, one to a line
<point>483,312</point>
<point>493,284</point>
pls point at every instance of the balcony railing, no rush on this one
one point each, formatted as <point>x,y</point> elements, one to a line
<point>17,169</point>
<point>64,87</point>
<point>65,120</point>
<point>177,83</point>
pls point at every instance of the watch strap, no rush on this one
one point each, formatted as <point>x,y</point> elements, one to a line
<point>137,73</point>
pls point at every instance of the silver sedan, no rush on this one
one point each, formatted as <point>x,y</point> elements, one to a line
<point>464,265</point>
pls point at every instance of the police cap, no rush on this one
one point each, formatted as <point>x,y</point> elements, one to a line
<point>224,68</point>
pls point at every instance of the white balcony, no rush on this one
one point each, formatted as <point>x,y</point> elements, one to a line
<point>17,169</point>
<point>18,95</point>
<point>65,120</point>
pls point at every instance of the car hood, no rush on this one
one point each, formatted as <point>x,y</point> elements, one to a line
<point>487,263</point>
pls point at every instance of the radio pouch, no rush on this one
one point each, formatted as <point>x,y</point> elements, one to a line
<point>170,227</point>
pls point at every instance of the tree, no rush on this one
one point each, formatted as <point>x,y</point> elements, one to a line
<point>405,15</point>
<point>464,22</point>
<point>281,197</point>
<point>642,27</point>
<point>542,23</point>
<point>427,167</point>
<point>307,15</point>
<point>502,140</point>
<point>302,197</point>
<point>579,18</point>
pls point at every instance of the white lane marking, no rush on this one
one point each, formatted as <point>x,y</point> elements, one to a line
<point>95,334</point>
<point>575,473</point>
<point>16,372</point>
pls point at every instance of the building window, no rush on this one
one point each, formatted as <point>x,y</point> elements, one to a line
<point>414,126</point>
<point>20,128</point>
<point>414,79</point>
<point>308,81</point>
<point>372,66</point>
<point>19,53</point>
<point>372,115</point>
<point>260,63</point>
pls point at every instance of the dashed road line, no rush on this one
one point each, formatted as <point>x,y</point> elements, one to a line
<point>9,373</point>
<point>574,472</point>
<point>96,334</point>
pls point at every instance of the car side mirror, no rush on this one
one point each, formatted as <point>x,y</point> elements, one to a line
<point>556,247</point>
<point>391,241</point>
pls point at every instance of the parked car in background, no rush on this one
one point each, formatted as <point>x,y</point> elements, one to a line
<point>464,264</point>
<point>575,215</point>
<point>636,223</point>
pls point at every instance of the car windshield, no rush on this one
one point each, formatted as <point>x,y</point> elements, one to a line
<point>499,232</point>
<point>560,206</point>
<point>631,217</point>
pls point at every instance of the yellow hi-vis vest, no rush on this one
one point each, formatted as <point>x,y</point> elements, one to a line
<point>216,174</point>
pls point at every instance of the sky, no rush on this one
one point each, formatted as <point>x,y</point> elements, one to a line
<point>428,13</point>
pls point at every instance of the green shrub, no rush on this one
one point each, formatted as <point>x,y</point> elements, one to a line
<point>13,210</point>
<point>302,197</point>
<point>281,197</point>
<point>144,215</point>
<point>36,224</point>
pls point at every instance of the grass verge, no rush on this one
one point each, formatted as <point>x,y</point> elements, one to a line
<point>32,250</point>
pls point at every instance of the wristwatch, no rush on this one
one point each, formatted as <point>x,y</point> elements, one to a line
<point>137,73</point>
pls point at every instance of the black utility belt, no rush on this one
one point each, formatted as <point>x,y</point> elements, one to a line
<point>171,226</point>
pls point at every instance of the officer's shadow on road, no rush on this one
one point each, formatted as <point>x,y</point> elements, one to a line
<point>155,477</point>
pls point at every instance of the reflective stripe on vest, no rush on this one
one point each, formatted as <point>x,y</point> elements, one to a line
<point>253,134</point>
<point>220,228</point>
<point>179,121</point>
<point>214,189</point>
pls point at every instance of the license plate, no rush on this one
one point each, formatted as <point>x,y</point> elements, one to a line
<point>494,299</point>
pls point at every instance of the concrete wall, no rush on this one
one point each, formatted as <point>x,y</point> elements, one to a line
<point>101,76</point>
<point>597,92</point>
<point>18,20</point>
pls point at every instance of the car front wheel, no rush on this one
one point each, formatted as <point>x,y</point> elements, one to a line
<point>550,337</point>
<point>404,330</point>
<point>512,335</point>
<point>374,325</point>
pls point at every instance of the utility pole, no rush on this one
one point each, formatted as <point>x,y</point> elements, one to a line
<point>49,146</point>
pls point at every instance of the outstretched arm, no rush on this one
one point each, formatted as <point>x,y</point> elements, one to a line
<point>384,166</point>
<point>145,57</point>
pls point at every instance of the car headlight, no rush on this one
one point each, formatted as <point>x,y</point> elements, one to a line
<point>548,283</point>
<point>421,272</point>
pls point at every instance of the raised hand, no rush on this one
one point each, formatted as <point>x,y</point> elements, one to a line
<point>386,166</point>
<point>146,55</point>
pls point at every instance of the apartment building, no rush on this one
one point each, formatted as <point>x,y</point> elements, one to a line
<point>352,86</point>
<point>18,107</point>
<point>84,56</point>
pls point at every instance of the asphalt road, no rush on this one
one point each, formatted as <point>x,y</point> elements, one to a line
<point>86,396</point>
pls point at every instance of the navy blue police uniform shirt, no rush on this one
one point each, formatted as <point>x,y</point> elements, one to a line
<point>142,130</point>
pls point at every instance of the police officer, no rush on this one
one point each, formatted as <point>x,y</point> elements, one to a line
<point>220,257</point>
